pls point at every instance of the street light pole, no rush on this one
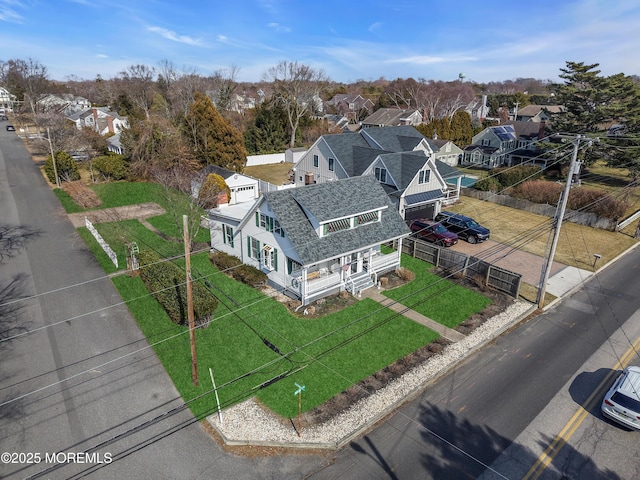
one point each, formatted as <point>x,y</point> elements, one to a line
<point>557,223</point>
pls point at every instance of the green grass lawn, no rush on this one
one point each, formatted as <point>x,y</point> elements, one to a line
<point>437,298</point>
<point>327,354</point>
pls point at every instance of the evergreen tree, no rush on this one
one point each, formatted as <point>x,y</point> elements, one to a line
<point>268,133</point>
<point>213,139</point>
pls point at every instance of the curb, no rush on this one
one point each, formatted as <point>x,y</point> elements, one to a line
<point>370,423</point>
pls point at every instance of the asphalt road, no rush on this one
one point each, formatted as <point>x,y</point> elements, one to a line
<point>464,424</point>
<point>82,378</point>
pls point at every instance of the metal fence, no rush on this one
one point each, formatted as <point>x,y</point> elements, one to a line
<point>458,263</point>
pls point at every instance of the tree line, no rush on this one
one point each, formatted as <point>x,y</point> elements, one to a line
<point>185,119</point>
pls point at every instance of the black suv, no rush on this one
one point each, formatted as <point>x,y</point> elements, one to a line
<point>465,227</point>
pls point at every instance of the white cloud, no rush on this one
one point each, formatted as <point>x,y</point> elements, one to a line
<point>277,27</point>
<point>171,35</point>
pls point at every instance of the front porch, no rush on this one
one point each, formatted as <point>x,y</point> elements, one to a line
<point>355,272</point>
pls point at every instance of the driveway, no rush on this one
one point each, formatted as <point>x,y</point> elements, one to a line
<point>526,264</point>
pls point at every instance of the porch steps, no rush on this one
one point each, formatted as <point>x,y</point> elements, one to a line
<point>359,282</point>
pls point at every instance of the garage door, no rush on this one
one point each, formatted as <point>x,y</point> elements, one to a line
<point>423,211</point>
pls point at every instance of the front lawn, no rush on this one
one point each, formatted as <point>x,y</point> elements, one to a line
<point>437,298</point>
<point>327,355</point>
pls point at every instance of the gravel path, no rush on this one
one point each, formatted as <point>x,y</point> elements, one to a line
<point>248,423</point>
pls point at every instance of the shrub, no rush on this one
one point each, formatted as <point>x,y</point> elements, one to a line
<point>488,184</point>
<point>65,165</point>
<point>111,166</point>
<point>405,274</point>
<point>212,186</point>
<point>167,283</point>
<point>580,198</point>
<point>224,261</point>
<point>234,267</point>
<point>250,276</point>
<point>510,176</point>
<point>539,191</point>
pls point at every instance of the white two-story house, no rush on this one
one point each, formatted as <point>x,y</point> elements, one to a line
<point>400,158</point>
<point>314,240</point>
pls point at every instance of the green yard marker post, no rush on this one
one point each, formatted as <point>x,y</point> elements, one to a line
<point>301,388</point>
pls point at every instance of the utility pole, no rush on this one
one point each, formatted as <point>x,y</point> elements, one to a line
<point>53,159</point>
<point>190,315</point>
<point>557,222</point>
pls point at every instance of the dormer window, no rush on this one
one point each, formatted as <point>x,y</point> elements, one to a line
<point>381,174</point>
<point>367,218</point>
<point>337,225</point>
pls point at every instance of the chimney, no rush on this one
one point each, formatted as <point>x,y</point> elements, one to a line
<point>541,134</point>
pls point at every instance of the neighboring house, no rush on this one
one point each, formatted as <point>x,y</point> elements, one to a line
<point>478,109</point>
<point>392,117</point>
<point>399,157</point>
<point>350,105</point>
<point>315,240</point>
<point>64,104</point>
<point>114,145</point>
<point>509,144</point>
<point>101,120</point>
<point>538,113</point>
<point>446,151</point>
<point>7,100</point>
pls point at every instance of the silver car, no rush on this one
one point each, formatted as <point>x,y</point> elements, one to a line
<point>622,402</point>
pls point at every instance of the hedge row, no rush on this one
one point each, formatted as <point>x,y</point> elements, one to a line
<point>167,283</point>
<point>586,199</point>
<point>524,182</point>
<point>234,267</point>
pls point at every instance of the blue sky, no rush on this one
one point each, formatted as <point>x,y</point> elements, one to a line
<point>486,40</point>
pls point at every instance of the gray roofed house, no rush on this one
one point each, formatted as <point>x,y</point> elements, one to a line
<point>400,158</point>
<point>392,117</point>
<point>509,144</point>
<point>316,240</point>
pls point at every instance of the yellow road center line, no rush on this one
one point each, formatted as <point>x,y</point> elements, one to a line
<point>574,422</point>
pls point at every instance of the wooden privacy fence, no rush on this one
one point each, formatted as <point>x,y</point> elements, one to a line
<point>462,264</point>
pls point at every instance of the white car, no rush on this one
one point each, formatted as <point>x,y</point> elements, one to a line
<point>622,402</point>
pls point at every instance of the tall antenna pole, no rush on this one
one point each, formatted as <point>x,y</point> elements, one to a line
<point>190,315</point>
<point>557,223</point>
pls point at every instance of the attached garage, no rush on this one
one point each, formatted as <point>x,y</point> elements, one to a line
<point>422,205</point>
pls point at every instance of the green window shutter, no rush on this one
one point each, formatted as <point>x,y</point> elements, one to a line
<point>275,259</point>
<point>249,247</point>
<point>257,219</point>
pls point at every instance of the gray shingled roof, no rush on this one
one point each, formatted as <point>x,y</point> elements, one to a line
<point>331,200</point>
<point>403,138</point>
<point>403,167</point>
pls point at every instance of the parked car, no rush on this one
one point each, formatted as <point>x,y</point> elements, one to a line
<point>11,128</point>
<point>433,232</point>
<point>622,402</point>
<point>465,227</point>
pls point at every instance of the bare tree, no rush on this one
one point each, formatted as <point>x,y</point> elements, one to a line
<point>224,86</point>
<point>139,81</point>
<point>27,79</point>
<point>296,87</point>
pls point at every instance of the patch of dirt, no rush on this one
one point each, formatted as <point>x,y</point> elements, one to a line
<point>81,194</point>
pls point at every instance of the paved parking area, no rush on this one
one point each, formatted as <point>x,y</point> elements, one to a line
<point>526,264</point>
